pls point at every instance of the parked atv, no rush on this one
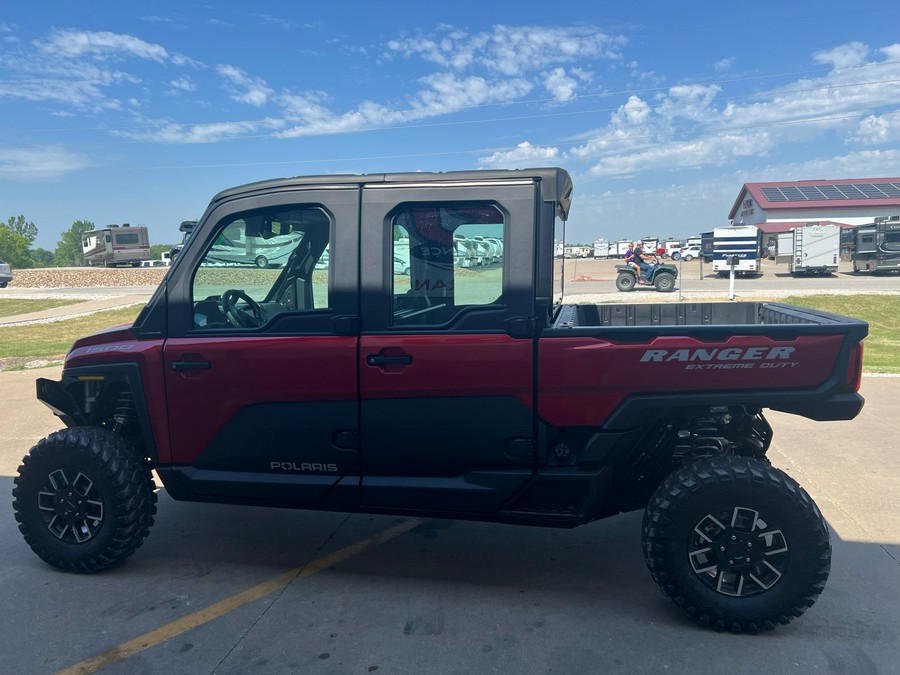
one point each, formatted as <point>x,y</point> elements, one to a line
<point>661,276</point>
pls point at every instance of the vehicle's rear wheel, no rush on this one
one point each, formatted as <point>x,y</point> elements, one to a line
<point>626,281</point>
<point>664,282</point>
<point>736,544</point>
<point>84,499</point>
<point>262,261</point>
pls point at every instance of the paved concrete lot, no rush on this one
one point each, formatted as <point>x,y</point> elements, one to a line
<point>218,589</point>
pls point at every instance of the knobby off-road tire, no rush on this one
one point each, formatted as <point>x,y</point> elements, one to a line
<point>626,282</point>
<point>736,544</point>
<point>84,499</point>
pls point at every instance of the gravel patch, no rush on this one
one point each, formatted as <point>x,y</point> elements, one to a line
<point>87,277</point>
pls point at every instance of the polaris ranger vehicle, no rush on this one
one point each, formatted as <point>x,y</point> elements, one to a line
<point>445,392</point>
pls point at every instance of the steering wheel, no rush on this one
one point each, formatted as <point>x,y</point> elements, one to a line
<point>239,317</point>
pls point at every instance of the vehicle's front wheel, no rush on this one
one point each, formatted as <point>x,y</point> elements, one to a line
<point>262,261</point>
<point>664,282</point>
<point>626,282</point>
<point>736,544</point>
<point>84,499</point>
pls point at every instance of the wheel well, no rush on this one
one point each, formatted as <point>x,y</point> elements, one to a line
<point>108,397</point>
<point>674,441</point>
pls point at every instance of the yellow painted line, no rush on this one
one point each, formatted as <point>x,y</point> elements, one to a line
<point>214,611</point>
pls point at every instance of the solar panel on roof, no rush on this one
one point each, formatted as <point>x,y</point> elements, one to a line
<point>831,191</point>
<point>889,189</point>
<point>811,192</point>
<point>871,191</point>
<point>773,194</point>
<point>851,191</point>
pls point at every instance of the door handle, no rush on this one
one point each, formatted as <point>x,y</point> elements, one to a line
<point>179,366</point>
<point>381,360</point>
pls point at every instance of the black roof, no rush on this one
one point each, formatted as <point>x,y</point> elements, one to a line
<point>556,182</point>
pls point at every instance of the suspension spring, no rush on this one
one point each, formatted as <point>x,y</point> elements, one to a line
<point>125,411</point>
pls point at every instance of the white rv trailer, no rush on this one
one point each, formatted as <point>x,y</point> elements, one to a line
<point>816,249</point>
<point>737,245</point>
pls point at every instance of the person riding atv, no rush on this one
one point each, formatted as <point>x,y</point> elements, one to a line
<point>653,273</point>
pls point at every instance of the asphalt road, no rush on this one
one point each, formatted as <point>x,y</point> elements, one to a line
<point>219,589</point>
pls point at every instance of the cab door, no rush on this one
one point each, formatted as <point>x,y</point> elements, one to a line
<point>260,362</point>
<point>446,358</point>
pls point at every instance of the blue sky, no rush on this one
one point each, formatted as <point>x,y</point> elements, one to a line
<point>139,112</point>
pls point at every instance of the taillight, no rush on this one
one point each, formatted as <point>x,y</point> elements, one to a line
<point>854,367</point>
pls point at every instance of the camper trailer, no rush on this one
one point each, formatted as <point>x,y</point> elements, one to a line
<point>736,246</point>
<point>239,244</point>
<point>878,246</point>
<point>813,249</point>
<point>603,249</point>
<point>114,246</point>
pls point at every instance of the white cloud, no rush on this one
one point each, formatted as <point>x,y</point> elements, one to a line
<point>250,90</point>
<point>560,85</point>
<point>72,68</point>
<point>184,84</point>
<point>722,65</point>
<point>39,162</point>
<point>697,125</point>
<point>174,133</point>
<point>444,93</point>
<point>79,94</point>
<point>891,51</point>
<point>862,164</point>
<point>75,43</point>
<point>511,50</point>
<point>524,154</point>
<point>878,130</point>
<point>843,56</point>
<point>675,156</point>
<point>448,92</point>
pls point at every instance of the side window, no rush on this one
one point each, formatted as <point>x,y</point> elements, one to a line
<point>261,264</point>
<point>447,258</point>
<point>127,238</point>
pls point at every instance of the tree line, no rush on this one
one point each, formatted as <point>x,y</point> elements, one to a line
<point>17,237</point>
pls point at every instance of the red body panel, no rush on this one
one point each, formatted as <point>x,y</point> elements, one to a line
<point>448,365</point>
<point>583,380</point>
<point>248,371</point>
<point>119,346</point>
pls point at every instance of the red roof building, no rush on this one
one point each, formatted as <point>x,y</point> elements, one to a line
<point>847,202</point>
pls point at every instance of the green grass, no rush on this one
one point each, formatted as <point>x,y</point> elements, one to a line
<point>882,312</point>
<point>12,306</point>
<point>52,340</point>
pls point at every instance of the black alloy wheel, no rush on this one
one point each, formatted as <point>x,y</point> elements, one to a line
<point>736,544</point>
<point>84,499</point>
